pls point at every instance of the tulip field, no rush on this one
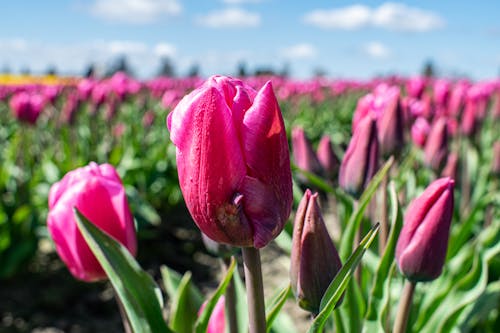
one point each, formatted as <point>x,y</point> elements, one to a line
<point>254,204</point>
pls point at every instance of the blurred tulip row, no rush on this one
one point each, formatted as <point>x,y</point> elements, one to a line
<point>320,168</point>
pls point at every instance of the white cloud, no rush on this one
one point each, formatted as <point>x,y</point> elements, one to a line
<point>348,18</point>
<point>376,50</point>
<point>230,17</point>
<point>390,15</point>
<point>135,11</point>
<point>300,51</point>
<point>74,57</point>
<point>165,50</point>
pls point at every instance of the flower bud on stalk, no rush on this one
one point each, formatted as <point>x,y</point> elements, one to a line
<point>233,161</point>
<point>390,125</point>
<point>327,158</point>
<point>423,241</point>
<point>98,193</point>
<point>314,259</point>
<point>303,153</point>
<point>436,147</point>
<point>360,161</point>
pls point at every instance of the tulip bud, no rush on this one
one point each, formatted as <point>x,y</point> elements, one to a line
<point>495,166</point>
<point>423,241</point>
<point>451,168</point>
<point>390,125</point>
<point>233,161</point>
<point>327,158</point>
<point>26,107</point>
<point>360,161</point>
<point>314,259</point>
<point>98,193</point>
<point>303,153</point>
<point>436,147</point>
<point>217,321</point>
<point>419,131</point>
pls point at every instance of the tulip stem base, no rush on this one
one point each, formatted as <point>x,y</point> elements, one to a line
<point>401,322</point>
<point>230,302</point>
<point>255,290</point>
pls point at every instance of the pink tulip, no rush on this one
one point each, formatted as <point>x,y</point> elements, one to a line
<point>233,161</point>
<point>327,158</point>
<point>436,147</point>
<point>314,259</point>
<point>26,107</point>
<point>98,193</point>
<point>423,241</point>
<point>450,170</point>
<point>303,154</point>
<point>360,162</point>
<point>419,131</point>
<point>217,321</point>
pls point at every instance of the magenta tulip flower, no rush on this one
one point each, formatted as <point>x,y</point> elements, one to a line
<point>327,158</point>
<point>217,321</point>
<point>303,154</point>
<point>419,131</point>
<point>26,107</point>
<point>423,241</point>
<point>98,193</point>
<point>314,259</point>
<point>233,161</point>
<point>360,162</point>
<point>436,146</point>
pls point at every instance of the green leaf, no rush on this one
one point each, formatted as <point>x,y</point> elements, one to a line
<point>356,217</point>
<point>378,290</point>
<point>184,309</point>
<point>135,288</point>
<point>171,281</point>
<point>323,185</point>
<point>340,282</point>
<point>275,304</point>
<point>202,322</point>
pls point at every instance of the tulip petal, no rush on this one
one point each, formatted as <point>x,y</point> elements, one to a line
<point>210,164</point>
<point>266,146</point>
<point>262,209</point>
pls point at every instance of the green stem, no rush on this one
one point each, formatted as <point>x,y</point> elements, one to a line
<point>357,239</point>
<point>255,290</point>
<point>230,302</point>
<point>403,314</point>
<point>384,226</point>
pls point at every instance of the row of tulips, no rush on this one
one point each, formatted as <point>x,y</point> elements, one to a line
<point>234,172</point>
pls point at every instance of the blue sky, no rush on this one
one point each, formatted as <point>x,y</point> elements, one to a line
<point>349,39</point>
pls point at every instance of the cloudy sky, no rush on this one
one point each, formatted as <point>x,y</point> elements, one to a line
<point>350,39</point>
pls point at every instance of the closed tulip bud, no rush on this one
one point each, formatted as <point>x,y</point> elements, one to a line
<point>390,125</point>
<point>415,86</point>
<point>314,259</point>
<point>469,121</point>
<point>360,162</point>
<point>419,131</point>
<point>423,241</point>
<point>98,193</point>
<point>495,166</point>
<point>451,168</point>
<point>303,153</point>
<point>26,107</point>
<point>436,147</point>
<point>217,321</point>
<point>327,158</point>
<point>233,161</point>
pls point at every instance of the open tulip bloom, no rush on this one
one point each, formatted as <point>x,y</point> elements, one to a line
<point>233,161</point>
